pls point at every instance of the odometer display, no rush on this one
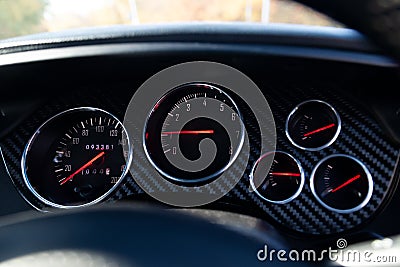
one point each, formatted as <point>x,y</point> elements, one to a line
<point>76,158</point>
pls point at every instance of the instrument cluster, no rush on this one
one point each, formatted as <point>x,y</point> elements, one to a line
<point>79,156</point>
<point>318,178</point>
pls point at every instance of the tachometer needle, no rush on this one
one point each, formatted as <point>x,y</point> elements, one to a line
<point>285,174</point>
<point>190,132</point>
<point>319,130</point>
<point>346,183</point>
<point>82,168</point>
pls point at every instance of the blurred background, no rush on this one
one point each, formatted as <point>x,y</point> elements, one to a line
<point>20,17</point>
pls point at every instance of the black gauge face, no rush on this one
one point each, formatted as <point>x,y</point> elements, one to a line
<point>284,180</point>
<point>341,183</point>
<point>193,133</point>
<point>76,158</point>
<point>313,125</point>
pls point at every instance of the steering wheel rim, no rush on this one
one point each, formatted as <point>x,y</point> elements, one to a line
<point>155,237</point>
<point>376,19</point>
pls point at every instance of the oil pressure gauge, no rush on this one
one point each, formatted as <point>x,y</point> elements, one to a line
<point>341,183</point>
<point>282,182</point>
<point>313,125</point>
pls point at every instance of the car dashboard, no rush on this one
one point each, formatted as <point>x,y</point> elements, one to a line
<point>327,90</point>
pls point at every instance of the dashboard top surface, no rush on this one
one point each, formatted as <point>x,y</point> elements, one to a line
<point>195,32</point>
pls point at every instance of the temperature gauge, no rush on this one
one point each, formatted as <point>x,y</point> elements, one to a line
<point>282,182</point>
<point>341,183</point>
<point>313,125</point>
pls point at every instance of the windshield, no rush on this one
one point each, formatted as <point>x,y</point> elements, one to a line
<point>20,17</point>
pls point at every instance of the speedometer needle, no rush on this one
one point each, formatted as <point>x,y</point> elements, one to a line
<point>82,168</point>
<point>346,183</point>
<point>319,130</point>
<point>190,132</point>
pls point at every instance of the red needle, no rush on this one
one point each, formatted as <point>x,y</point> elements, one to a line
<point>191,132</point>
<point>346,183</point>
<point>320,129</point>
<point>285,174</point>
<point>82,168</point>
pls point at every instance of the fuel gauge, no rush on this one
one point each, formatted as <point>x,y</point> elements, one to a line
<point>313,125</point>
<point>341,183</point>
<point>282,182</point>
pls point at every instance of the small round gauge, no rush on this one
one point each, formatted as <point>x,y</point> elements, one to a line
<point>76,158</point>
<point>193,133</point>
<point>313,125</point>
<point>341,183</point>
<point>283,181</point>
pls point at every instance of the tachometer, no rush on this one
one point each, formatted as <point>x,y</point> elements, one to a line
<point>193,133</point>
<point>76,158</point>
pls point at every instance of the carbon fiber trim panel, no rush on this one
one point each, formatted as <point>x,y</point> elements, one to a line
<point>361,137</point>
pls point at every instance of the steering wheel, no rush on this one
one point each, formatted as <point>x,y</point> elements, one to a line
<point>95,237</point>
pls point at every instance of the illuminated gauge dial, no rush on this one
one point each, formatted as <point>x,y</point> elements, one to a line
<point>284,180</point>
<point>76,158</point>
<point>313,125</point>
<point>193,134</point>
<point>341,183</point>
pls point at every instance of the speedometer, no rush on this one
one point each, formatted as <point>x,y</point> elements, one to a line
<point>76,158</point>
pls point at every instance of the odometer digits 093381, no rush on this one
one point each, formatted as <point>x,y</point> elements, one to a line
<point>76,158</point>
